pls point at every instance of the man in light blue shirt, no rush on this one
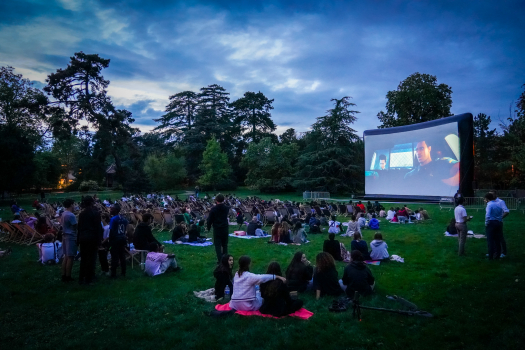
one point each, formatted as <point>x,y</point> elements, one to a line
<point>493,221</point>
<point>506,212</point>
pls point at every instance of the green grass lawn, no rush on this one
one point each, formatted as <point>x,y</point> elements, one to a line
<point>477,304</point>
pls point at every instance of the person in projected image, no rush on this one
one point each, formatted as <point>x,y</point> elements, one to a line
<point>429,171</point>
<point>382,162</point>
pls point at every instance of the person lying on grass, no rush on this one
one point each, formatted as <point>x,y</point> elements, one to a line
<point>158,263</point>
<point>276,298</point>
<point>223,276</point>
<point>379,248</point>
<point>244,297</point>
<point>357,277</point>
<point>299,273</point>
<point>326,281</point>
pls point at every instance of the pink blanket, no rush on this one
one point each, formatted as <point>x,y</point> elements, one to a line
<point>301,313</point>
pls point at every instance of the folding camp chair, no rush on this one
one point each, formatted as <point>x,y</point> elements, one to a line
<point>269,217</point>
<point>141,259</point>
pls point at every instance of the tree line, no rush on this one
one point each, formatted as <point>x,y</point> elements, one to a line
<point>71,126</point>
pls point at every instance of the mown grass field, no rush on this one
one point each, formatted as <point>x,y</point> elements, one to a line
<point>477,304</point>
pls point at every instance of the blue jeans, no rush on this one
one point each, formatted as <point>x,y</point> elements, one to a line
<point>494,234</point>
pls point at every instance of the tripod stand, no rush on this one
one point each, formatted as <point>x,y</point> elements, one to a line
<point>412,311</point>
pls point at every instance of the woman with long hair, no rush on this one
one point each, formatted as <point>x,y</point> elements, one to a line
<point>223,276</point>
<point>277,300</point>
<point>284,233</point>
<point>275,232</point>
<point>326,281</point>
<point>299,236</point>
<point>299,273</point>
<point>244,297</point>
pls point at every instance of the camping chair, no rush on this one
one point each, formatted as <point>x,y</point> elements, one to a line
<point>168,223</point>
<point>318,210</point>
<point>32,236</point>
<point>141,259</point>
<point>12,232</point>
<point>158,219</point>
<point>23,236</point>
<point>269,217</point>
<point>179,218</point>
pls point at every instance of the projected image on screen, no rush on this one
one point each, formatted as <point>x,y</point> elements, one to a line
<point>422,162</point>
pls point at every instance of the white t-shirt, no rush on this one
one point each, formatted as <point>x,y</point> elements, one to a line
<point>50,251</point>
<point>106,231</point>
<point>334,227</point>
<point>459,213</point>
<point>390,215</point>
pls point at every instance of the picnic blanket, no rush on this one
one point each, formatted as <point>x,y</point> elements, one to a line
<point>301,313</point>
<point>372,262</point>
<point>248,237</point>
<point>292,243</point>
<point>205,244</point>
<point>468,236</point>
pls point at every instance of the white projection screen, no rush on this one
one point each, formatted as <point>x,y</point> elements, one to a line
<point>420,160</point>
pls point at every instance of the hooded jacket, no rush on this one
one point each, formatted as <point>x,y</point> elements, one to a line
<point>358,278</point>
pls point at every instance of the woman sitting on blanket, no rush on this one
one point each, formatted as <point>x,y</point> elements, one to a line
<point>223,276</point>
<point>299,273</point>
<point>284,233</point>
<point>244,297</point>
<point>326,281</point>
<point>299,236</point>
<point>390,214</point>
<point>277,301</point>
<point>359,244</point>
<point>332,246</point>
<point>379,248</point>
<point>179,232</point>
<point>353,227</point>
<point>194,235</point>
<point>275,232</point>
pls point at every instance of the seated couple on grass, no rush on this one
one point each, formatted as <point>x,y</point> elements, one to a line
<point>356,276</point>
<point>274,300</point>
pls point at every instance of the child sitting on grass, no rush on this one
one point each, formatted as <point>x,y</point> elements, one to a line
<point>379,248</point>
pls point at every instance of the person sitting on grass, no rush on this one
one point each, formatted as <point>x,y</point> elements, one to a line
<point>143,237</point>
<point>239,218</point>
<point>390,214</point>
<point>194,235</point>
<point>359,244</point>
<point>357,277</point>
<point>402,215</point>
<point>314,224</point>
<point>424,214</point>
<point>379,248</point>
<point>157,263</point>
<point>223,276</point>
<point>50,251</point>
<point>394,219</point>
<point>382,213</point>
<point>253,226</point>
<point>334,226</point>
<point>374,223</point>
<point>275,232</point>
<point>299,273</point>
<point>277,301</point>
<point>244,297</point>
<point>451,228</point>
<point>179,232</point>
<point>353,226</point>
<point>284,233</point>
<point>333,247</point>
<point>361,221</point>
<point>325,281</point>
<point>299,236</point>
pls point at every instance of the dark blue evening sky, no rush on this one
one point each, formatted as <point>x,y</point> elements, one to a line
<point>300,53</point>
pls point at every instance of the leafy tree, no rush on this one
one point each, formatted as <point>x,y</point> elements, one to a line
<point>417,99</point>
<point>288,137</point>
<point>82,91</point>
<point>252,111</point>
<point>485,147</point>
<point>16,159</point>
<point>165,171</point>
<point>216,171</point>
<point>180,115</point>
<point>333,157</point>
<point>47,169</point>
<point>269,165</point>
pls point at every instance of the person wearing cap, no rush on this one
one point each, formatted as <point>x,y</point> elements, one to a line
<point>89,237</point>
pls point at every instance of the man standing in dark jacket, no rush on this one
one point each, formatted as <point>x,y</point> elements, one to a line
<point>89,237</point>
<point>218,218</point>
<point>357,277</point>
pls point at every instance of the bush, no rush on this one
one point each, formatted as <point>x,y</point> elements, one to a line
<point>89,185</point>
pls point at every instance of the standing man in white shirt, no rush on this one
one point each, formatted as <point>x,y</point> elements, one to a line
<point>460,214</point>
<point>506,212</point>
